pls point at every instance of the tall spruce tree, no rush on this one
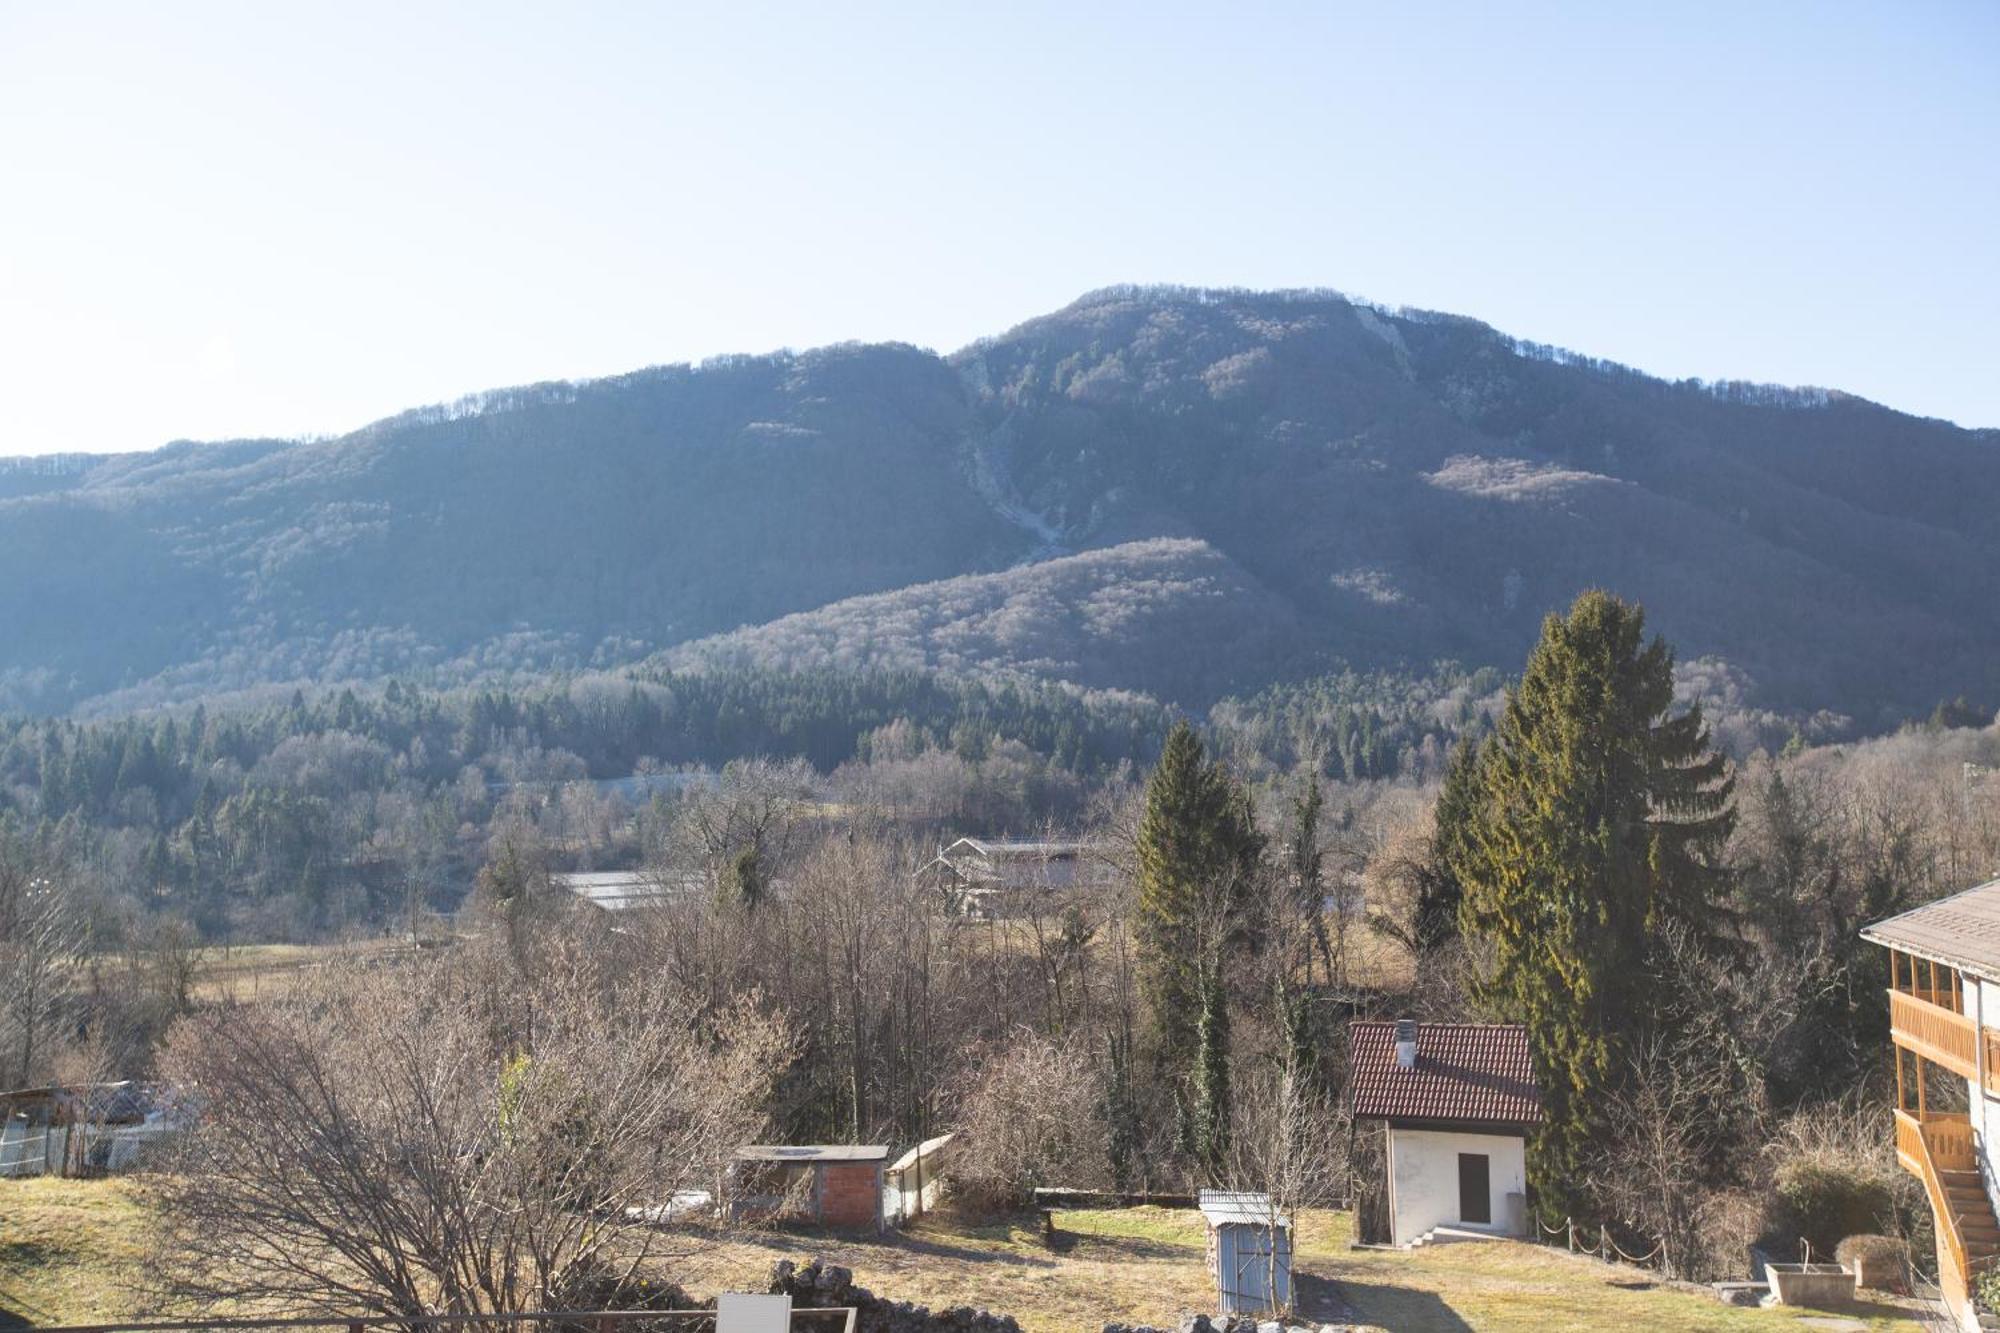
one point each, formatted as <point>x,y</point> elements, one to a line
<point>1439,890</point>
<point>1597,819</point>
<point>1199,850</point>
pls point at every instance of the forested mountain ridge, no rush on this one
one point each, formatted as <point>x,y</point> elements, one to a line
<point>1375,486</point>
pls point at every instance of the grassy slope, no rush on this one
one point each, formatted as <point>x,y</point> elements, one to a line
<point>1146,1265</point>
<point>70,1251</point>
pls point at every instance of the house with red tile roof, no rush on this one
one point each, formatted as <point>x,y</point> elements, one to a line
<point>1456,1103</point>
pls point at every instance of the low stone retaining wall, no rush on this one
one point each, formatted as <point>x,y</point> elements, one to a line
<point>822,1285</point>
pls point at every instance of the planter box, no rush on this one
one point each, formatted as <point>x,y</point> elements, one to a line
<point>1820,1285</point>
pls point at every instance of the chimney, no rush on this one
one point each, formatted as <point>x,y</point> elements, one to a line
<point>1406,1043</point>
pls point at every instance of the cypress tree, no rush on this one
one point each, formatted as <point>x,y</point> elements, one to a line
<point>1597,820</point>
<point>1198,849</point>
<point>1441,890</point>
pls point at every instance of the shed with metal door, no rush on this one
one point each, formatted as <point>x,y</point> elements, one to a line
<point>1249,1251</point>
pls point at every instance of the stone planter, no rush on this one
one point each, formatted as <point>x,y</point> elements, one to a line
<point>1820,1285</point>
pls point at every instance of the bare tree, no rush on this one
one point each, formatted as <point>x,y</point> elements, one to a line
<point>739,834</point>
<point>447,1137</point>
<point>1035,1117</point>
<point>41,931</point>
<point>1290,1146</point>
<point>1654,1174</point>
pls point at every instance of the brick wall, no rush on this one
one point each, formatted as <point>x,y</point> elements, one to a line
<point>851,1194</point>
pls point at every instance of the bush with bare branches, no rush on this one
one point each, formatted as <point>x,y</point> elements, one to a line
<point>448,1137</point>
<point>1035,1117</point>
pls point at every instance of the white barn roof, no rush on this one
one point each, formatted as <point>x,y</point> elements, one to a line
<point>614,890</point>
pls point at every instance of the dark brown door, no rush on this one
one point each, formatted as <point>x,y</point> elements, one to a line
<point>1475,1188</point>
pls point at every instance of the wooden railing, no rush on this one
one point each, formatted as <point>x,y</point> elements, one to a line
<point>1940,1035</point>
<point>1941,1141</point>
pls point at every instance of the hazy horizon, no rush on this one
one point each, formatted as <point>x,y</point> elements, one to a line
<point>234,222</point>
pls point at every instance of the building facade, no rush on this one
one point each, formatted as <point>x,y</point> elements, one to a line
<point>1944,1026</point>
<point>1457,1102</point>
<point>835,1185</point>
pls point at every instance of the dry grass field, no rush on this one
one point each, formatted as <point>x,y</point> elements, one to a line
<point>1145,1265</point>
<point>71,1252</point>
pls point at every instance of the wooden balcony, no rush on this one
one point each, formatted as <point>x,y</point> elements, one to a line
<point>1939,1034</point>
<point>1927,1025</point>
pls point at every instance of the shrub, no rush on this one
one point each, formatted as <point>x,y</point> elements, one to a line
<point>1821,1202</point>
<point>1987,1291</point>
<point>1036,1117</point>
<point>1882,1261</point>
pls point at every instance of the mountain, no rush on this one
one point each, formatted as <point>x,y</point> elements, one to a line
<point>1170,616</point>
<point>1186,492</point>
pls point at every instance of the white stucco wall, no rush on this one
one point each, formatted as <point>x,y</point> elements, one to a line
<point>1423,1180</point>
<point>1984,1110</point>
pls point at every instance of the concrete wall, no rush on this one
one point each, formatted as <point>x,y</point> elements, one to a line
<point>912,1184</point>
<point>1423,1181</point>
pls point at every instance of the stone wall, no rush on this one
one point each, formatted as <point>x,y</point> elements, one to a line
<point>822,1284</point>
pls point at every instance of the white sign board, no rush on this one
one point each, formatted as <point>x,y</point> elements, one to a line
<point>741,1312</point>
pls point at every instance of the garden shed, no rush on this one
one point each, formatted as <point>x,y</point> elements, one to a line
<point>1459,1101</point>
<point>836,1185</point>
<point>81,1129</point>
<point>1249,1251</point>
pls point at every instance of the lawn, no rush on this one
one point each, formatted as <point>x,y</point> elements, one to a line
<point>70,1252</point>
<point>1145,1265</point>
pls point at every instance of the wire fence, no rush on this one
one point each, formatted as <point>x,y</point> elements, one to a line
<point>80,1149</point>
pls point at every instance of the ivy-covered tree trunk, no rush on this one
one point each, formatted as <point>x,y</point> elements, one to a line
<point>1211,1104</point>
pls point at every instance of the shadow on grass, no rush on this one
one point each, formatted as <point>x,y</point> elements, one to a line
<point>1400,1308</point>
<point>918,1243</point>
<point>1097,1244</point>
<point>815,1242</point>
<point>1863,1309</point>
<point>15,1312</point>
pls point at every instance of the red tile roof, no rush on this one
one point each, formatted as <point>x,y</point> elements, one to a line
<point>1467,1072</point>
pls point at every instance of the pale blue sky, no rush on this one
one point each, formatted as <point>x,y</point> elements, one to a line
<point>286,219</point>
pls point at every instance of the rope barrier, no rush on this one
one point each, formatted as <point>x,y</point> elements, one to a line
<point>1605,1247</point>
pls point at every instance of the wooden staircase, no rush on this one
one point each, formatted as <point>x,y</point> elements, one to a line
<point>1938,1148</point>
<point>1972,1212</point>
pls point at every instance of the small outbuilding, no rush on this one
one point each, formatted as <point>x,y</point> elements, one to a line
<point>1458,1102</point>
<point>1249,1251</point>
<point>81,1129</point>
<point>836,1185</point>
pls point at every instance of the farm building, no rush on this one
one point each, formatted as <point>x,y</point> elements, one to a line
<point>617,890</point>
<point>1249,1251</point>
<point>1458,1101</point>
<point>838,1185</point>
<point>81,1129</point>
<point>988,877</point>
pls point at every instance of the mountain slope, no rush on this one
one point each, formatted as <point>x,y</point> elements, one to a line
<point>1171,617</point>
<point>1387,487</point>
